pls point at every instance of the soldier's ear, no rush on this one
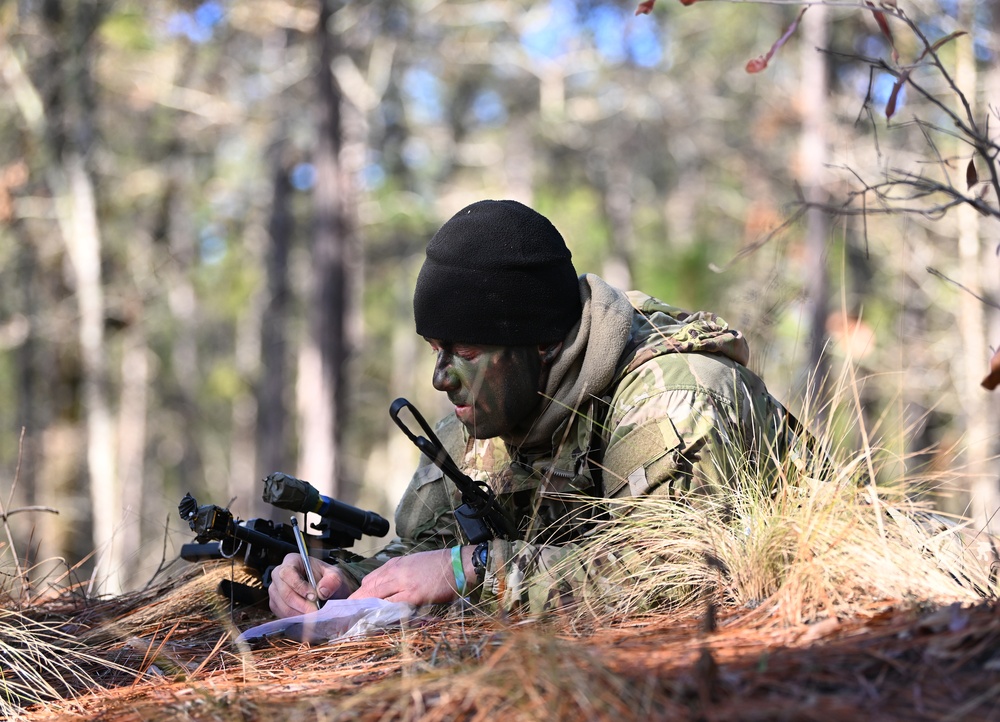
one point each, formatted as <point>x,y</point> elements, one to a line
<point>549,351</point>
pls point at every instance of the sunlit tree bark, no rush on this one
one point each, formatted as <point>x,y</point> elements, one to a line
<point>813,160</point>
<point>133,411</point>
<point>70,133</point>
<point>323,355</point>
<point>980,432</point>
<point>83,242</point>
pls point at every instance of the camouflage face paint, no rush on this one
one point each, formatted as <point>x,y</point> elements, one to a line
<point>494,388</point>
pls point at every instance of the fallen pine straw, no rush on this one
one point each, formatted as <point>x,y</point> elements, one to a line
<point>167,652</point>
<point>890,661</point>
<point>841,601</point>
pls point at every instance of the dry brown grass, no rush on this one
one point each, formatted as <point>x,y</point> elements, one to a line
<point>874,651</point>
<point>833,600</point>
<point>817,549</point>
<point>166,653</point>
<point>892,662</point>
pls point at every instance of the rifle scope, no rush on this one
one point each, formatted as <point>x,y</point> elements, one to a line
<point>287,492</point>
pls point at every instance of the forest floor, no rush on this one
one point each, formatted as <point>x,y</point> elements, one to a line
<point>894,660</point>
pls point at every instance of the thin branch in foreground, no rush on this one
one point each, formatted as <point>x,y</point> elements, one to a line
<point>752,248</point>
<point>987,302</point>
<point>10,500</point>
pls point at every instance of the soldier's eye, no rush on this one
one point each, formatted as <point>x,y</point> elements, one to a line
<point>469,353</point>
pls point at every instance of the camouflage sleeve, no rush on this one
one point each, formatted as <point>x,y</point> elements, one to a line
<point>677,425</point>
<point>538,579</point>
<point>425,517</point>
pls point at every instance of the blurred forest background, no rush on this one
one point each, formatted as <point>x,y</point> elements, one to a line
<point>212,215</point>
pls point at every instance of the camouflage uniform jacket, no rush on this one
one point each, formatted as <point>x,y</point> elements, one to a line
<point>670,409</point>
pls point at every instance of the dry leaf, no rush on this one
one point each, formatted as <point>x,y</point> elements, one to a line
<point>883,25</point>
<point>937,45</point>
<point>890,107</point>
<point>971,176</point>
<point>993,379</point>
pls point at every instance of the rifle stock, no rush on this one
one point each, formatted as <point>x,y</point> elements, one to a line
<point>480,516</point>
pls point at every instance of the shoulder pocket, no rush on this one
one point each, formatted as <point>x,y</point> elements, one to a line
<point>425,474</point>
<point>639,448</point>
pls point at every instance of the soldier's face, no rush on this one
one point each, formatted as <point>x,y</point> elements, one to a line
<point>495,389</point>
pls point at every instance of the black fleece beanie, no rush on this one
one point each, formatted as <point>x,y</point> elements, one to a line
<point>499,274</point>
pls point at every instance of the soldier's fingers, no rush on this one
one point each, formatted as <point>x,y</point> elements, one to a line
<point>331,582</point>
<point>279,606</point>
<point>290,575</point>
<point>285,603</point>
<point>379,584</point>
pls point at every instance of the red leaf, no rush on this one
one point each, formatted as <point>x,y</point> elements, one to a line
<point>645,7</point>
<point>688,2</point>
<point>883,25</point>
<point>890,107</point>
<point>759,63</point>
<point>971,176</point>
<point>993,379</point>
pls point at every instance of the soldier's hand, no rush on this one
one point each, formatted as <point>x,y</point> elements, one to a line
<point>421,578</point>
<point>290,593</point>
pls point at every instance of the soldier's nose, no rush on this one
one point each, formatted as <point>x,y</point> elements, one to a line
<point>445,378</point>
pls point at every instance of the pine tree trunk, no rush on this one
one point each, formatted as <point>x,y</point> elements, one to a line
<point>272,409</point>
<point>979,430</point>
<point>323,355</point>
<point>616,193</point>
<point>132,412</point>
<point>83,243</point>
<point>813,154</point>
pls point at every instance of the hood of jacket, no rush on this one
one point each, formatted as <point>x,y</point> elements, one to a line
<point>619,331</point>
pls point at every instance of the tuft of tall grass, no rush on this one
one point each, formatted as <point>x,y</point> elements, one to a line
<point>804,541</point>
<point>39,662</point>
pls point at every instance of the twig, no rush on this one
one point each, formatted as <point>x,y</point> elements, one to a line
<point>3,509</point>
<point>935,272</point>
<point>752,248</point>
<point>12,512</point>
<point>163,555</point>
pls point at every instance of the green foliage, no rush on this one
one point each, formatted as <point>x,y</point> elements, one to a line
<point>682,275</point>
<point>575,212</point>
<point>126,28</point>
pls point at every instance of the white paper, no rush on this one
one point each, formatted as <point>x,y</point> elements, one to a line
<point>338,619</point>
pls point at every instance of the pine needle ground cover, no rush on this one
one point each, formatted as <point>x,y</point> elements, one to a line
<point>900,661</point>
<point>832,598</point>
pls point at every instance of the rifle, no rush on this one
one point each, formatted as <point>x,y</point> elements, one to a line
<point>264,544</point>
<point>480,516</point>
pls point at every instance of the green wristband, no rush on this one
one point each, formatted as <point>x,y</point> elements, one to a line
<point>459,569</point>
